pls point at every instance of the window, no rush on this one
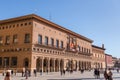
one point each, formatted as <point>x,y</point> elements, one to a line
<point>7,42</point>
<point>57,43</point>
<point>6,61</point>
<point>30,23</point>
<point>39,39</point>
<point>15,40</point>
<point>14,61</point>
<point>82,49</point>
<point>0,61</point>
<point>89,51</point>
<point>79,48</point>
<point>85,50</point>
<point>46,40</point>
<point>61,46</point>
<point>25,24</point>
<point>21,24</point>
<point>52,42</point>
<point>1,41</point>
<point>26,62</point>
<point>27,38</point>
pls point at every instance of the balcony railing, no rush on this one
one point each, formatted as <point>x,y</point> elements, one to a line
<point>49,46</point>
<point>84,53</point>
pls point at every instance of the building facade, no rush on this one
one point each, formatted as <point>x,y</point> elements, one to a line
<point>109,63</point>
<point>115,61</point>
<point>98,56</point>
<point>35,43</point>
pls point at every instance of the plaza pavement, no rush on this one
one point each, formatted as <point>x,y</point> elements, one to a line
<point>87,75</point>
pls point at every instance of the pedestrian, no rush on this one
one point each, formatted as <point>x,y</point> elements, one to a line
<point>61,72</point>
<point>40,71</point>
<point>95,73</point>
<point>98,73</point>
<point>47,71</point>
<point>12,72</point>
<point>7,76</point>
<point>35,72</point>
<point>15,72</point>
<point>29,73</point>
<point>26,73</point>
<point>82,70</point>
<point>3,73</point>
<point>118,70</point>
<point>109,73</point>
<point>105,75</point>
<point>64,71</point>
<point>22,73</point>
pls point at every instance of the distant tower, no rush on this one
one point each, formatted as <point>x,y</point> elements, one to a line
<point>103,46</point>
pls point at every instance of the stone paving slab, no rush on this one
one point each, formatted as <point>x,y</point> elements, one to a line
<point>56,76</point>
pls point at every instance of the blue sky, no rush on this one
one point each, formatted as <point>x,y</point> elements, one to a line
<point>98,20</point>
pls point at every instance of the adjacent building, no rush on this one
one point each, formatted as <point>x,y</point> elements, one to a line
<point>35,43</point>
<point>98,56</point>
<point>108,60</point>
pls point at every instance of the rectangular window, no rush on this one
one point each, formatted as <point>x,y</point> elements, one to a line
<point>14,61</point>
<point>39,39</point>
<point>89,51</point>
<point>79,48</point>
<point>0,61</point>
<point>1,41</point>
<point>15,38</point>
<point>57,43</point>
<point>52,42</point>
<point>27,38</point>
<point>6,61</point>
<point>46,40</point>
<point>82,49</point>
<point>61,46</point>
<point>7,42</point>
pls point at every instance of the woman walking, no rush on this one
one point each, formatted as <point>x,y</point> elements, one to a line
<point>7,76</point>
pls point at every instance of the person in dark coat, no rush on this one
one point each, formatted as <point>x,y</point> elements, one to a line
<point>105,75</point>
<point>7,76</point>
<point>98,73</point>
<point>109,73</point>
<point>95,73</point>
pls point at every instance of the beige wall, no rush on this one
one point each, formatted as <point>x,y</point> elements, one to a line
<point>98,57</point>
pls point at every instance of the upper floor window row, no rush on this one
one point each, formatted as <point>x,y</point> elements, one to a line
<point>2,27</point>
<point>59,44</point>
<point>14,39</point>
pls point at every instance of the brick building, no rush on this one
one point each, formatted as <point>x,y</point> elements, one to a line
<point>98,56</point>
<point>35,43</point>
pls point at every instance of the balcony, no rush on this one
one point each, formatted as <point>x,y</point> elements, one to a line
<point>72,51</point>
<point>49,46</point>
<point>84,53</point>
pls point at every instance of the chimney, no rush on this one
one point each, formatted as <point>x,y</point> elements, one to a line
<point>103,46</point>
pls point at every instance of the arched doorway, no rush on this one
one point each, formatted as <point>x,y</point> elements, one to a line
<point>39,64</point>
<point>56,65</point>
<point>26,63</point>
<point>51,65</point>
<point>45,65</point>
<point>80,65</point>
<point>76,66</point>
<point>61,64</point>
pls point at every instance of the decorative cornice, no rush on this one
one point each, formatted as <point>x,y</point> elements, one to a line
<point>36,17</point>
